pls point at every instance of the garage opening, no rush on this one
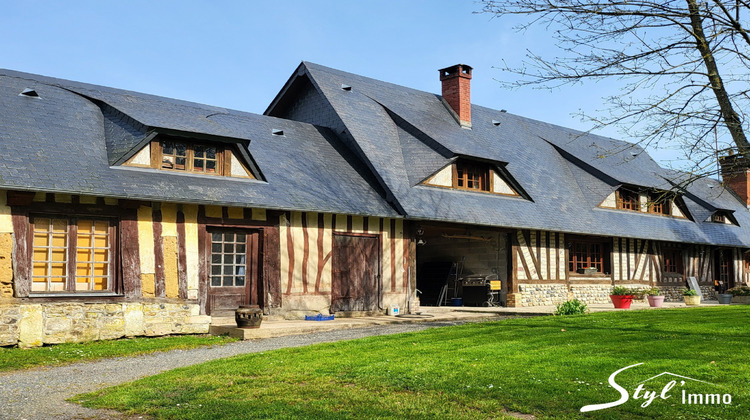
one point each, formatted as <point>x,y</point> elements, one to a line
<point>461,265</point>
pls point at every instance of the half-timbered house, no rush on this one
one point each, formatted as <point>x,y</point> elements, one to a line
<point>126,214</point>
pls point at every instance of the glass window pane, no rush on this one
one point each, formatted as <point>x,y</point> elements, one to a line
<point>180,164</point>
<point>216,248</point>
<point>100,283</point>
<point>216,259</point>
<point>228,281</point>
<point>210,166</point>
<point>167,147</point>
<point>85,226</point>
<point>216,281</point>
<point>239,259</point>
<point>180,149</point>
<point>240,248</point>
<point>198,165</point>
<point>228,248</point>
<point>101,241</point>
<point>241,270</point>
<point>228,259</point>
<point>229,237</point>
<point>167,162</point>
<point>228,269</point>
<point>41,239</point>
<point>211,152</point>
<point>215,269</point>
<point>241,237</point>
<point>84,241</point>
<point>216,237</point>
<point>239,281</point>
<point>198,151</point>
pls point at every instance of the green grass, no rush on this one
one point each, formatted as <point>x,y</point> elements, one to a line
<point>58,354</point>
<point>549,367</point>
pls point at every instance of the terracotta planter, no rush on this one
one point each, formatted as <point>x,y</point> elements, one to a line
<point>692,300</point>
<point>248,316</point>
<point>724,298</point>
<point>655,301</point>
<point>621,301</point>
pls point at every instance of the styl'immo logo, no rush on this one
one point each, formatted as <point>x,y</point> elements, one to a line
<point>641,392</point>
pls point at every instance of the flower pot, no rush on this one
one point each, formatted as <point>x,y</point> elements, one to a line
<point>725,298</point>
<point>692,300</point>
<point>248,316</point>
<point>621,301</point>
<point>655,301</point>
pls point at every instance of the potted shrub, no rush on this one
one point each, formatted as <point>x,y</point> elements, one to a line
<point>621,297</point>
<point>654,296</point>
<point>740,294</point>
<point>691,297</point>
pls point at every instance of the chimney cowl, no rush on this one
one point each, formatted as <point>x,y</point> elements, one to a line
<point>458,70</point>
<point>456,92</point>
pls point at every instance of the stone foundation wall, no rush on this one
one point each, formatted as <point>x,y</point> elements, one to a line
<point>33,325</point>
<point>591,293</point>
<point>674,293</point>
<point>540,294</point>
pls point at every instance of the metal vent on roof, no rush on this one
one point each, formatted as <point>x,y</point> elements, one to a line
<point>31,93</point>
<point>495,123</point>
<point>503,111</point>
<point>346,87</point>
<point>277,132</point>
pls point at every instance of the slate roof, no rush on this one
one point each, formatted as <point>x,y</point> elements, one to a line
<point>403,134</point>
<point>68,139</point>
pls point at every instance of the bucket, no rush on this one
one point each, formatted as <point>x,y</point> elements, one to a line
<point>457,301</point>
<point>393,310</point>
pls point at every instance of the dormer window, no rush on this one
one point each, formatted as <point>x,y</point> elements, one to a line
<point>646,200</point>
<point>658,204</point>
<point>723,217</point>
<point>472,176</point>
<point>179,154</point>
<point>628,200</point>
<point>200,158</point>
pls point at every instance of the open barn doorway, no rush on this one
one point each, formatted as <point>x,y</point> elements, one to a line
<point>460,264</point>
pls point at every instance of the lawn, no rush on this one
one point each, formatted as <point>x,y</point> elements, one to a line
<point>59,354</point>
<point>549,367</point>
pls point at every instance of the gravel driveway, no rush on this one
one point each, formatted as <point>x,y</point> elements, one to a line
<point>40,393</point>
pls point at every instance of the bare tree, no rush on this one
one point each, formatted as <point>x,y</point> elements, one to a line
<point>682,65</point>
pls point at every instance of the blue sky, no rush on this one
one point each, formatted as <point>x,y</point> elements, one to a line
<point>238,54</point>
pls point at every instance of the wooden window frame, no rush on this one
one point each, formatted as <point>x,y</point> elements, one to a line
<point>222,265</point>
<point>72,250</point>
<point>624,203</point>
<point>657,204</point>
<point>223,157</point>
<point>485,178</point>
<point>602,263</point>
<point>672,260</point>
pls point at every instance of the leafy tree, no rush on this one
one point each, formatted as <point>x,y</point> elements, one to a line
<point>682,64</point>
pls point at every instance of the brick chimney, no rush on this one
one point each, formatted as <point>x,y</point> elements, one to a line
<point>457,92</point>
<point>735,171</point>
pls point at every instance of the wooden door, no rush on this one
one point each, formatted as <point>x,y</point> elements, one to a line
<point>724,267</point>
<point>233,271</point>
<point>356,273</point>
